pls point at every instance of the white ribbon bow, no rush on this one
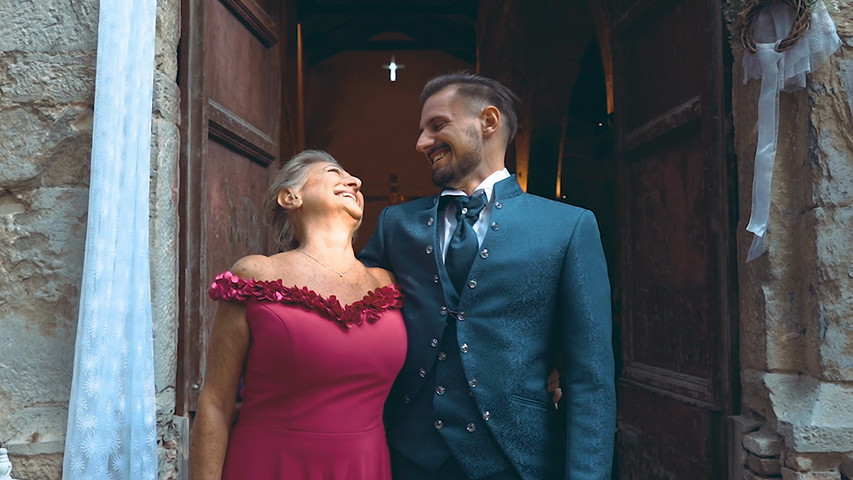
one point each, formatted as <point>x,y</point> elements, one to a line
<point>785,71</point>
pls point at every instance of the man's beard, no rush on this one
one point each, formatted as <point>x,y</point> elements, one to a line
<point>453,173</point>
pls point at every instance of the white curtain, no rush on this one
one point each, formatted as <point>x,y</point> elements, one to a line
<point>111,413</point>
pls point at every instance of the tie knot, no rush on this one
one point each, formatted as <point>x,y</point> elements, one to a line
<point>469,207</point>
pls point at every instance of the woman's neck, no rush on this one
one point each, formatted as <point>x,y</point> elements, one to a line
<point>327,239</point>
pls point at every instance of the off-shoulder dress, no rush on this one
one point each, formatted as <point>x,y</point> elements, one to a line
<point>315,381</point>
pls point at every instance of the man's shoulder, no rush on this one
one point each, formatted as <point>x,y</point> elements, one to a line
<point>418,204</point>
<point>553,208</point>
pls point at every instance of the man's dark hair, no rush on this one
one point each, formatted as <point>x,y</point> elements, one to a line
<point>482,89</point>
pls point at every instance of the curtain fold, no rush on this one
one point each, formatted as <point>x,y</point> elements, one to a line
<point>111,430</point>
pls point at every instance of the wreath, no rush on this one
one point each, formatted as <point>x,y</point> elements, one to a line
<point>742,13</point>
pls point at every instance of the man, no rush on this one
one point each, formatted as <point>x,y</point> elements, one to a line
<point>498,288</point>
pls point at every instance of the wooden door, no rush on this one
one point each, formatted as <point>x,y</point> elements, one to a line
<point>678,350</point>
<point>231,61</point>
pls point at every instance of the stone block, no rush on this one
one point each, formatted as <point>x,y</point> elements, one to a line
<point>41,467</point>
<point>739,426</point>
<point>832,338</point>
<point>164,238</point>
<point>801,463</point>
<point>41,259</point>
<point>788,474</point>
<point>847,467</point>
<point>813,416</point>
<point>168,34</point>
<point>754,393</point>
<point>764,466</point>
<point>166,98</point>
<point>53,77</point>
<point>169,441</point>
<point>49,25</point>
<point>37,430</point>
<point>40,137</point>
<point>830,89</point>
<point>748,475</point>
<point>763,443</point>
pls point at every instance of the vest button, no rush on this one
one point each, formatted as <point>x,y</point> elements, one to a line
<point>442,355</point>
<point>433,343</point>
<point>472,284</point>
<point>429,249</point>
<point>438,424</point>
<point>485,253</point>
<point>470,427</point>
<point>422,372</point>
<point>461,316</point>
<point>472,383</point>
<point>487,415</point>
<point>440,390</point>
<point>464,348</point>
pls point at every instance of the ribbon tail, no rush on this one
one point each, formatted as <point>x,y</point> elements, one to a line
<point>757,248</point>
<point>765,153</point>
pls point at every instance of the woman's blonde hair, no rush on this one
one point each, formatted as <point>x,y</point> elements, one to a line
<point>292,175</point>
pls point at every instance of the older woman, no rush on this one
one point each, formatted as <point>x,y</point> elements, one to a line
<point>315,335</point>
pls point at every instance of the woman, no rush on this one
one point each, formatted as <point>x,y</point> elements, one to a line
<point>317,358</point>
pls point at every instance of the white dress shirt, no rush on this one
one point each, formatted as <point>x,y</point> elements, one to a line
<point>482,223</point>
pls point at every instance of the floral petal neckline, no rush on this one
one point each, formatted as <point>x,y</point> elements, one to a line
<point>230,287</point>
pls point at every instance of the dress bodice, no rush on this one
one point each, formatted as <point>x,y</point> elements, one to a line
<point>314,364</point>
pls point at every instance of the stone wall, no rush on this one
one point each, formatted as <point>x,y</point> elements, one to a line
<point>47,76</point>
<point>796,301</point>
<point>172,431</point>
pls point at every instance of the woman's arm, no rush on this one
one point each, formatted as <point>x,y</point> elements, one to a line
<point>229,342</point>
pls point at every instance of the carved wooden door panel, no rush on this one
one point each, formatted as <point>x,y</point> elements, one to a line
<point>231,86</point>
<point>675,385</point>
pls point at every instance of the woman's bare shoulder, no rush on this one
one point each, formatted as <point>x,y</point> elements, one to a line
<point>261,267</point>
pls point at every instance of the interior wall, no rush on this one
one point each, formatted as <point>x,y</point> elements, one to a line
<point>370,124</point>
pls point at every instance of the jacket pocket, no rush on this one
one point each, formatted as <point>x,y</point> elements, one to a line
<point>530,402</point>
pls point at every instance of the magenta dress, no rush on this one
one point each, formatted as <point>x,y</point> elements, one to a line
<point>316,377</point>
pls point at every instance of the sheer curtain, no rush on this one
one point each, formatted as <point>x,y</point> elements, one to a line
<point>111,413</point>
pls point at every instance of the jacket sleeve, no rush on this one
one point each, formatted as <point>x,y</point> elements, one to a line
<point>588,354</point>
<point>374,253</point>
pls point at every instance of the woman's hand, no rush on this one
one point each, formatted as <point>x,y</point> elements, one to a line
<point>554,386</point>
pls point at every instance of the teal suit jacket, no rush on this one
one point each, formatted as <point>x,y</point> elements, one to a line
<point>538,290</point>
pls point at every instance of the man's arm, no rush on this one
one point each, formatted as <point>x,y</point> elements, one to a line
<point>373,254</point>
<point>587,346</point>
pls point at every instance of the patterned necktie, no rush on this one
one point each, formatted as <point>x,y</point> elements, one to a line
<point>463,243</point>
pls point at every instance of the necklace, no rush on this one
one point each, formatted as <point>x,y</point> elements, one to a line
<point>340,274</point>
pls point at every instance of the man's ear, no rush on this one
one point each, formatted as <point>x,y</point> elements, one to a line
<point>288,199</point>
<point>491,120</point>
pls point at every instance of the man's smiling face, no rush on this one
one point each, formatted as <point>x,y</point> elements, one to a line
<point>450,138</point>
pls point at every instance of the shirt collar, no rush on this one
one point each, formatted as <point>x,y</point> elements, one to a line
<point>486,185</point>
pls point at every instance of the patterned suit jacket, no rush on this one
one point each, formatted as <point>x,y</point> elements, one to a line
<point>538,290</point>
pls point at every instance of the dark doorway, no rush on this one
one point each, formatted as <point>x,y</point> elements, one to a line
<point>624,113</point>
